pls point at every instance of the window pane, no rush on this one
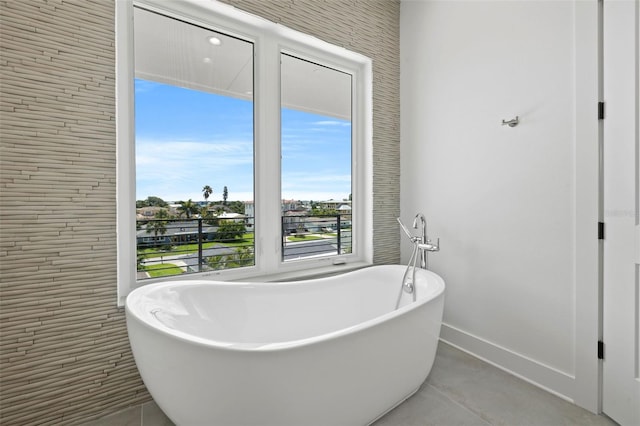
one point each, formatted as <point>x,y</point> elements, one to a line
<point>194,148</point>
<point>316,159</point>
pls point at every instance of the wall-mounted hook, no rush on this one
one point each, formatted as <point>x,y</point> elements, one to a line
<point>511,123</point>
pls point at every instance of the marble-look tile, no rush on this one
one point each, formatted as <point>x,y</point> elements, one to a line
<point>429,407</point>
<point>152,415</point>
<point>499,398</point>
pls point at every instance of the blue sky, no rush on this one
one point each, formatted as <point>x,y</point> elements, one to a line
<point>186,139</point>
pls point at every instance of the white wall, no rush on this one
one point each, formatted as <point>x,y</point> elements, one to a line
<point>504,200</point>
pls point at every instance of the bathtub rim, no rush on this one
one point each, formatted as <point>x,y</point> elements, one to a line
<point>145,318</point>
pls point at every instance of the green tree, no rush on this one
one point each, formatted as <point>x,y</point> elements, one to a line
<point>225,195</point>
<point>188,208</point>
<point>206,214</point>
<point>151,202</point>
<point>162,214</point>
<point>140,262</point>
<point>217,262</point>
<point>158,226</point>
<point>229,230</point>
<point>323,212</point>
<point>206,191</point>
<point>236,207</point>
<point>243,256</point>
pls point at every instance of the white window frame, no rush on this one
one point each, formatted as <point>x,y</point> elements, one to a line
<point>269,40</point>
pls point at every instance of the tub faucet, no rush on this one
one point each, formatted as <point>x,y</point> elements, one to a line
<point>424,244</point>
<point>423,238</point>
<point>421,245</point>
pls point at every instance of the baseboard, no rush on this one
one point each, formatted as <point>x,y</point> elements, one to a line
<point>550,379</point>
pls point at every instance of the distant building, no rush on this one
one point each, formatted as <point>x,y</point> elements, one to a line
<point>230,216</point>
<point>291,205</point>
<point>176,233</point>
<point>250,214</point>
<point>334,204</point>
<point>293,221</point>
<point>148,212</point>
<point>216,208</point>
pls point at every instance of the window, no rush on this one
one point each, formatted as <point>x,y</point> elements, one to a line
<point>316,146</point>
<point>244,148</point>
<point>194,138</point>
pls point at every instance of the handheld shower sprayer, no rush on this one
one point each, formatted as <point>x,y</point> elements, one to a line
<point>406,231</point>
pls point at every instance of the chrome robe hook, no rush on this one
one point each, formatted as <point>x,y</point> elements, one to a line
<point>511,123</point>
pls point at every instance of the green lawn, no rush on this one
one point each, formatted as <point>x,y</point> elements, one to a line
<point>308,237</point>
<point>246,240</point>
<point>162,270</point>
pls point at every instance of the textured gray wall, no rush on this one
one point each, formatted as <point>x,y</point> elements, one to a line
<point>64,355</point>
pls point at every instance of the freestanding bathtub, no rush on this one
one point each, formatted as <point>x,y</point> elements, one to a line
<point>328,352</point>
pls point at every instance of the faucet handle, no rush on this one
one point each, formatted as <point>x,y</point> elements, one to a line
<point>429,246</point>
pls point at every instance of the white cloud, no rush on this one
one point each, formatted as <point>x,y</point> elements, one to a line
<point>177,170</point>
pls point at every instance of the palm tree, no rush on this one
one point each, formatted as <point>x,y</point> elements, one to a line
<point>217,262</point>
<point>225,194</point>
<point>158,226</point>
<point>187,208</point>
<point>244,255</point>
<point>205,213</point>
<point>162,214</point>
<point>206,191</point>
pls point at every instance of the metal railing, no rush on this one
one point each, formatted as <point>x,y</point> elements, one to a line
<point>167,247</point>
<point>312,236</point>
<point>176,246</point>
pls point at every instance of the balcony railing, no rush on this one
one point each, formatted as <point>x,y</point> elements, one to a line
<point>322,235</point>
<point>167,247</point>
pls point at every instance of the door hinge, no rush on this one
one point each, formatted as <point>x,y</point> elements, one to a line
<point>600,349</point>
<point>600,110</point>
<point>601,230</point>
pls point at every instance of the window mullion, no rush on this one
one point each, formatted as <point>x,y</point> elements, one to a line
<point>267,148</point>
<point>125,151</point>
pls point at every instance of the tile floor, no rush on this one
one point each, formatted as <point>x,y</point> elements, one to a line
<point>461,390</point>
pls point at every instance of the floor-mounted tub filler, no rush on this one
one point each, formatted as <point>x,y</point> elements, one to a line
<point>329,351</point>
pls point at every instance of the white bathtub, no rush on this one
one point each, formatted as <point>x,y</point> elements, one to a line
<point>330,351</point>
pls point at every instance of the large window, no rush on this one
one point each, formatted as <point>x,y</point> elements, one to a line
<point>243,147</point>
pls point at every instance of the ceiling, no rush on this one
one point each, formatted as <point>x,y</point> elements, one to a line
<point>174,52</point>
